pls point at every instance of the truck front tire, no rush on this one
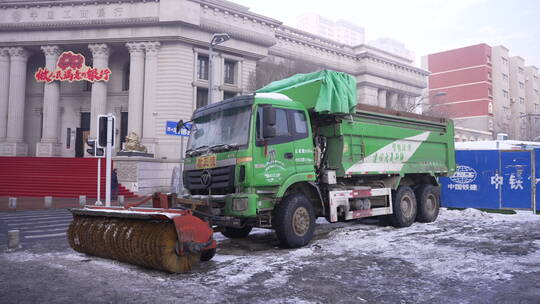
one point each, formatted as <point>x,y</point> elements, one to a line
<point>403,206</point>
<point>236,233</point>
<point>294,221</point>
<point>428,203</point>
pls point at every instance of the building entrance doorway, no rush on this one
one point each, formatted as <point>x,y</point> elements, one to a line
<point>82,134</point>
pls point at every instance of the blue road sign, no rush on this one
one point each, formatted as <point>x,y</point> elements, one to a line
<point>170,128</point>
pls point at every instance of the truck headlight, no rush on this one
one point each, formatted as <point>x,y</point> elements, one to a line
<point>240,204</point>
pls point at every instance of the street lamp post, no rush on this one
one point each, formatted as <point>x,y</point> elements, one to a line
<point>216,39</point>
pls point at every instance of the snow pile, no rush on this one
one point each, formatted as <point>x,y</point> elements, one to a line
<point>460,244</point>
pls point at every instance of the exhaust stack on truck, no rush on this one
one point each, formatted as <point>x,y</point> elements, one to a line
<point>301,148</point>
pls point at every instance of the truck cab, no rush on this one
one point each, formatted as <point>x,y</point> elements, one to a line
<point>245,152</point>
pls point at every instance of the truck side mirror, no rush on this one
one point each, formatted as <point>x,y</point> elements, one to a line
<point>269,122</point>
<point>179,125</point>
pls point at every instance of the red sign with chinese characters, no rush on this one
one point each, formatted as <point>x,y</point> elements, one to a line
<point>71,67</point>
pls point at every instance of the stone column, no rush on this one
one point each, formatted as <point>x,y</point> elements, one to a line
<point>392,101</point>
<point>15,144</point>
<point>150,74</point>
<point>403,103</point>
<point>98,99</point>
<point>49,144</point>
<point>381,98</point>
<point>367,95</point>
<point>4,91</point>
<point>136,87</point>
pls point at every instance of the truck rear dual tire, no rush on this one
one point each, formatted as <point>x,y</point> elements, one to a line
<point>428,197</point>
<point>404,207</point>
<point>294,221</point>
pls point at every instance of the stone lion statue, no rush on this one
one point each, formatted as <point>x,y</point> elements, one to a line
<point>133,144</point>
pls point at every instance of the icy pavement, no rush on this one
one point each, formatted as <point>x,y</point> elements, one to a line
<point>465,256</point>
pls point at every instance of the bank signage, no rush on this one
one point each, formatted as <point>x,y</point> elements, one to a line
<point>72,67</point>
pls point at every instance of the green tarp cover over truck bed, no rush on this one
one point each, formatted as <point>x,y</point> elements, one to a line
<point>327,92</point>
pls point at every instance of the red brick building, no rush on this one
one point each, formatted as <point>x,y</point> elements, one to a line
<point>483,89</point>
<point>460,86</point>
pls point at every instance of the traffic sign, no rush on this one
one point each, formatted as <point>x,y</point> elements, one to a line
<point>170,128</point>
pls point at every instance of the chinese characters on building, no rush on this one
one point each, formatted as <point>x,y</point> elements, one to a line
<point>71,67</point>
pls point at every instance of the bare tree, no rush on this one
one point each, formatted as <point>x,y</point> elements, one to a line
<point>270,69</point>
<point>415,106</point>
<point>530,127</point>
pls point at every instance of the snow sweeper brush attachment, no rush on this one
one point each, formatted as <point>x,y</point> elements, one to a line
<point>171,240</point>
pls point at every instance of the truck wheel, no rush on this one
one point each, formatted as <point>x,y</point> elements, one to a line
<point>428,203</point>
<point>207,255</point>
<point>403,206</point>
<point>236,233</point>
<point>295,221</point>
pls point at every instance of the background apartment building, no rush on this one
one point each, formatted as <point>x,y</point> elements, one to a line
<point>483,88</point>
<point>340,30</point>
<point>350,34</point>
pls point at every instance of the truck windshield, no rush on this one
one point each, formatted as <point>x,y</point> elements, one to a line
<point>228,128</point>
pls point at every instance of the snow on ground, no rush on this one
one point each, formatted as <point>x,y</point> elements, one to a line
<point>462,247</point>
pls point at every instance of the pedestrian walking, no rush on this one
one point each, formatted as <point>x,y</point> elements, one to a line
<point>114,185</point>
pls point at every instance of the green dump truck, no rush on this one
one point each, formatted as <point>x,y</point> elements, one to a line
<point>302,148</point>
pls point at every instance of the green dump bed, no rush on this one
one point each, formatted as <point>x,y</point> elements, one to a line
<point>381,141</point>
<point>367,139</point>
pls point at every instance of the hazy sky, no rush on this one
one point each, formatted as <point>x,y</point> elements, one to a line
<point>427,26</point>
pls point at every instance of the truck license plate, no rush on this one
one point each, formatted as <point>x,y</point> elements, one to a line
<point>205,162</point>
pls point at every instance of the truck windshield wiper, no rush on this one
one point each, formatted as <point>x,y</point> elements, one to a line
<point>193,151</point>
<point>224,147</point>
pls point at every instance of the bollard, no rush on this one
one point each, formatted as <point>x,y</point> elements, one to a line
<point>82,200</point>
<point>48,202</point>
<point>121,200</point>
<point>12,203</point>
<point>13,239</point>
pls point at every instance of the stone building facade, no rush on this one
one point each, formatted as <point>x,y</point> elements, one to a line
<point>157,51</point>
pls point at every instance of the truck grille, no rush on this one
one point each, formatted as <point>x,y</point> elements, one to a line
<point>221,180</point>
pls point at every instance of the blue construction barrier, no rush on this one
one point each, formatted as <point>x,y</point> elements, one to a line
<point>493,179</point>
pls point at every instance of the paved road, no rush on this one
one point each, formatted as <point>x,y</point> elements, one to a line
<point>45,228</point>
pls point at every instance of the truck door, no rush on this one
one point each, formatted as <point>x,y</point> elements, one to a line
<point>303,142</point>
<point>274,160</point>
